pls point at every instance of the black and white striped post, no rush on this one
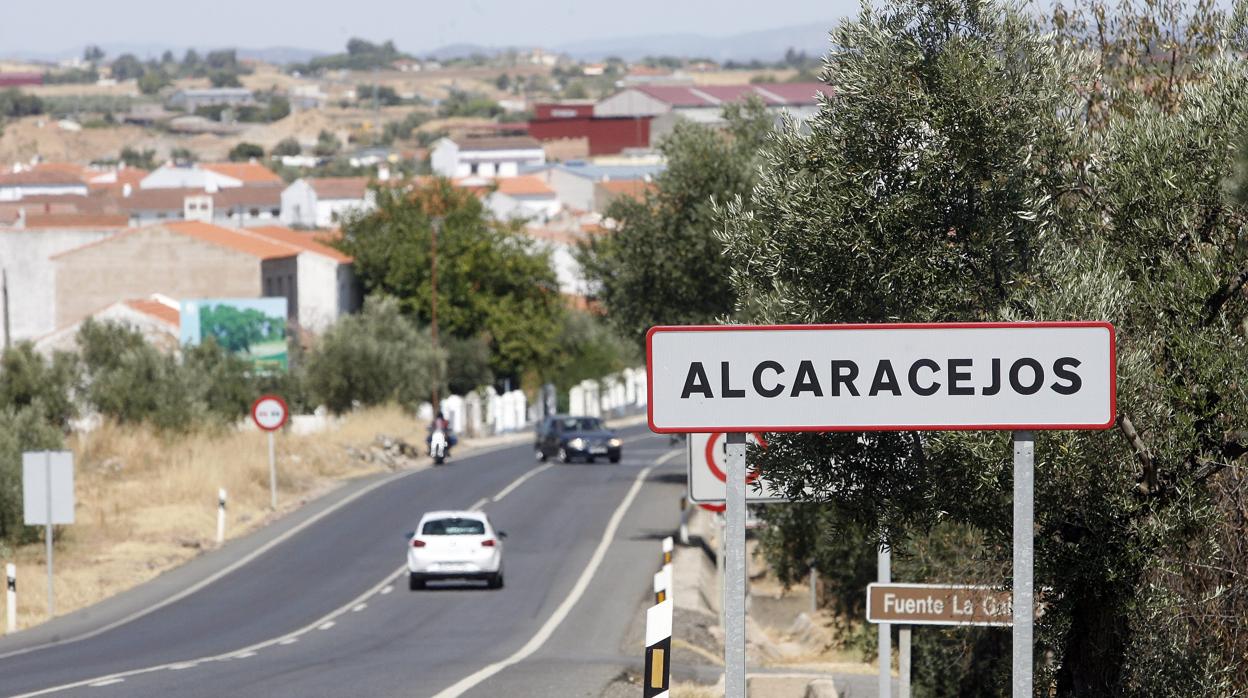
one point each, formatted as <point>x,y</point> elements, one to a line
<point>10,595</point>
<point>658,670</point>
<point>663,584</point>
<point>668,546</point>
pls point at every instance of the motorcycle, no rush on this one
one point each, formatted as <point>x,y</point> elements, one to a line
<point>439,447</point>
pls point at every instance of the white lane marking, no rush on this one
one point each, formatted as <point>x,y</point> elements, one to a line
<point>106,682</point>
<point>183,665</point>
<point>244,655</point>
<point>246,558</point>
<point>359,607</point>
<point>519,481</point>
<point>582,583</point>
<point>476,506</point>
<point>389,588</point>
<point>326,625</point>
<point>293,636</point>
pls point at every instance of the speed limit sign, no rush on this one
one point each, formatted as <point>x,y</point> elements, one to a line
<point>707,468</point>
<point>269,412</point>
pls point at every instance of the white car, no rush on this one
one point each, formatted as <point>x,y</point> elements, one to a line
<point>455,545</point>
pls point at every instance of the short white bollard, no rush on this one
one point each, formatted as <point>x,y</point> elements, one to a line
<point>220,516</point>
<point>668,547</point>
<point>10,593</point>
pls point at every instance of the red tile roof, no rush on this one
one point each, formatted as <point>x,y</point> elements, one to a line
<point>524,185</point>
<point>636,188</point>
<point>772,94</point>
<point>156,309</point>
<point>77,220</point>
<point>234,239</point>
<point>30,178</point>
<point>304,241</point>
<point>499,143</point>
<point>245,172</point>
<point>339,187</point>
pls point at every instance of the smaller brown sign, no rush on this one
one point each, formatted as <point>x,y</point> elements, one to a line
<point>938,604</point>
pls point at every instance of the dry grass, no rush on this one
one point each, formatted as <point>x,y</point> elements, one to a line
<point>695,690</point>
<point>147,502</point>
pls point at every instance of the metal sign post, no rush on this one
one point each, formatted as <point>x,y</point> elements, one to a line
<point>47,529</point>
<point>48,498</point>
<point>272,474</point>
<point>270,413</point>
<point>903,661</point>
<point>1024,544</point>
<point>734,568</point>
<point>884,574</point>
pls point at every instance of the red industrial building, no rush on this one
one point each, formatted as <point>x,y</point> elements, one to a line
<point>606,135</point>
<point>20,79</point>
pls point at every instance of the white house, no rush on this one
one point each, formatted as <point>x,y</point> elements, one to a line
<point>525,197</point>
<point>157,318</point>
<point>210,176</point>
<point>18,185</point>
<point>574,182</point>
<point>25,257</point>
<point>321,202</point>
<point>325,287</point>
<point>501,156</point>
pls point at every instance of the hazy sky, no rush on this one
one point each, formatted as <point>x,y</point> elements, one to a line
<point>415,25</point>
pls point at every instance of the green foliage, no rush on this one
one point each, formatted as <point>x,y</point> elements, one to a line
<point>492,281</point>
<point>183,156</point>
<point>960,174</point>
<point>29,381</point>
<point>222,78</point>
<point>460,103</point>
<point>131,381</point>
<point>127,66</point>
<point>468,364</point>
<point>374,357</point>
<point>245,151</point>
<point>663,265</point>
<point>238,329</point>
<point>72,76</point>
<point>288,146</point>
<point>327,144</point>
<point>383,95</point>
<point>15,104</point>
<point>143,159</point>
<point>360,55</point>
<point>402,130</point>
<point>589,348</point>
<point>21,429</point>
<point>154,81</point>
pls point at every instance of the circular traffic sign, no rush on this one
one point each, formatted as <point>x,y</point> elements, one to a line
<point>711,453</point>
<point>269,412</point>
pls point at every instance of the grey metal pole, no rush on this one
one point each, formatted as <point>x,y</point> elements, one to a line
<point>903,662</point>
<point>884,575</point>
<point>734,568</point>
<point>272,475</point>
<point>4,300</point>
<point>1024,543</point>
<point>47,529</point>
<point>719,570</point>
<point>814,591</point>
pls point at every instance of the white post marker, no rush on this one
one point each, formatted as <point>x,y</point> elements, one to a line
<point>10,598</point>
<point>48,499</point>
<point>668,546</point>
<point>658,666</point>
<point>734,569</point>
<point>220,516</point>
<point>270,413</point>
<point>884,575</point>
<point>1024,543</point>
<point>903,661</point>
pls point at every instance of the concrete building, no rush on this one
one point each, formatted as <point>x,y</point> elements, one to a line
<point>321,202</point>
<point>157,318</point>
<point>574,182</point>
<point>525,197</point>
<point>705,103</point>
<point>182,260</point>
<point>324,288</point>
<point>605,135</point>
<point>15,186</point>
<point>210,176</point>
<point>25,257</point>
<point>501,156</point>
<point>190,100</point>
<point>243,207</point>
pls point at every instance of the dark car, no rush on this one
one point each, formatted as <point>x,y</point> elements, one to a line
<point>576,437</point>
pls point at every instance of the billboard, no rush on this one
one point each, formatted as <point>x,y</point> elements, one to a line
<point>251,328</point>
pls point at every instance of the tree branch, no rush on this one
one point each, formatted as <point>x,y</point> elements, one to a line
<point>1149,483</point>
<point>1224,294</point>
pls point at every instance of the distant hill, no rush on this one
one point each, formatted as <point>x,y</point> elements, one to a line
<point>280,55</point>
<point>765,45</point>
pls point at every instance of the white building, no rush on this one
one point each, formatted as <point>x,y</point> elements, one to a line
<point>190,100</point>
<point>321,202</point>
<point>574,182</point>
<point>485,157</point>
<point>325,286</point>
<point>25,258</point>
<point>210,176</point>
<point>705,103</point>
<point>525,197</point>
<point>18,185</point>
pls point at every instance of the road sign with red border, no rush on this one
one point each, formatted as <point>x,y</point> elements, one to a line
<point>887,377</point>
<point>270,412</point>
<point>706,472</point>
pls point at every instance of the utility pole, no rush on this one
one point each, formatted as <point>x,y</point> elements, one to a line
<point>4,300</point>
<point>433,284</point>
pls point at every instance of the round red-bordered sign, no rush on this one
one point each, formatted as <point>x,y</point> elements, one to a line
<point>710,457</point>
<point>270,412</point>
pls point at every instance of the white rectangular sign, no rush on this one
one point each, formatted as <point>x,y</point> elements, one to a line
<point>706,472</point>
<point>38,469</point>
<point>1007,376</point>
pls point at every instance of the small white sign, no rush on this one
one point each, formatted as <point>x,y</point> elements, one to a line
<point>41,469</point>
<point>1007,376</point>
<point>707,467</point>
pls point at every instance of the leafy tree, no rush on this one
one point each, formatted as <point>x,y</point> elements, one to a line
<point>221,385</point>
<point>662,264</point>
<point>142,159</point>
<point>28,380</point>
<point>153,81</point>
<point>278,108</point>
<point>468,363</point>
<point>130,381</point>
<point>239,329</point>
<point>374,357</point>
<point>183,156</point>
<point>245,151</point>
<point>503,82</point>
<point>327,144</point>
<point>460,103</point>
<point>384,95</point>
<point>127,66</point>
<point>576,91</point>
<point>288,146</point>
<point>14,104</point>
<point>192,64</point>
<point>958,176</point>
<point>21,429</point>
<point>93,54</point>
<point>589,348</point>
<point>223,78</point>
<point>492,281</point>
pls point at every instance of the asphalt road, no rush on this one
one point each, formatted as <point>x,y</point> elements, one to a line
<point>322,614</point>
